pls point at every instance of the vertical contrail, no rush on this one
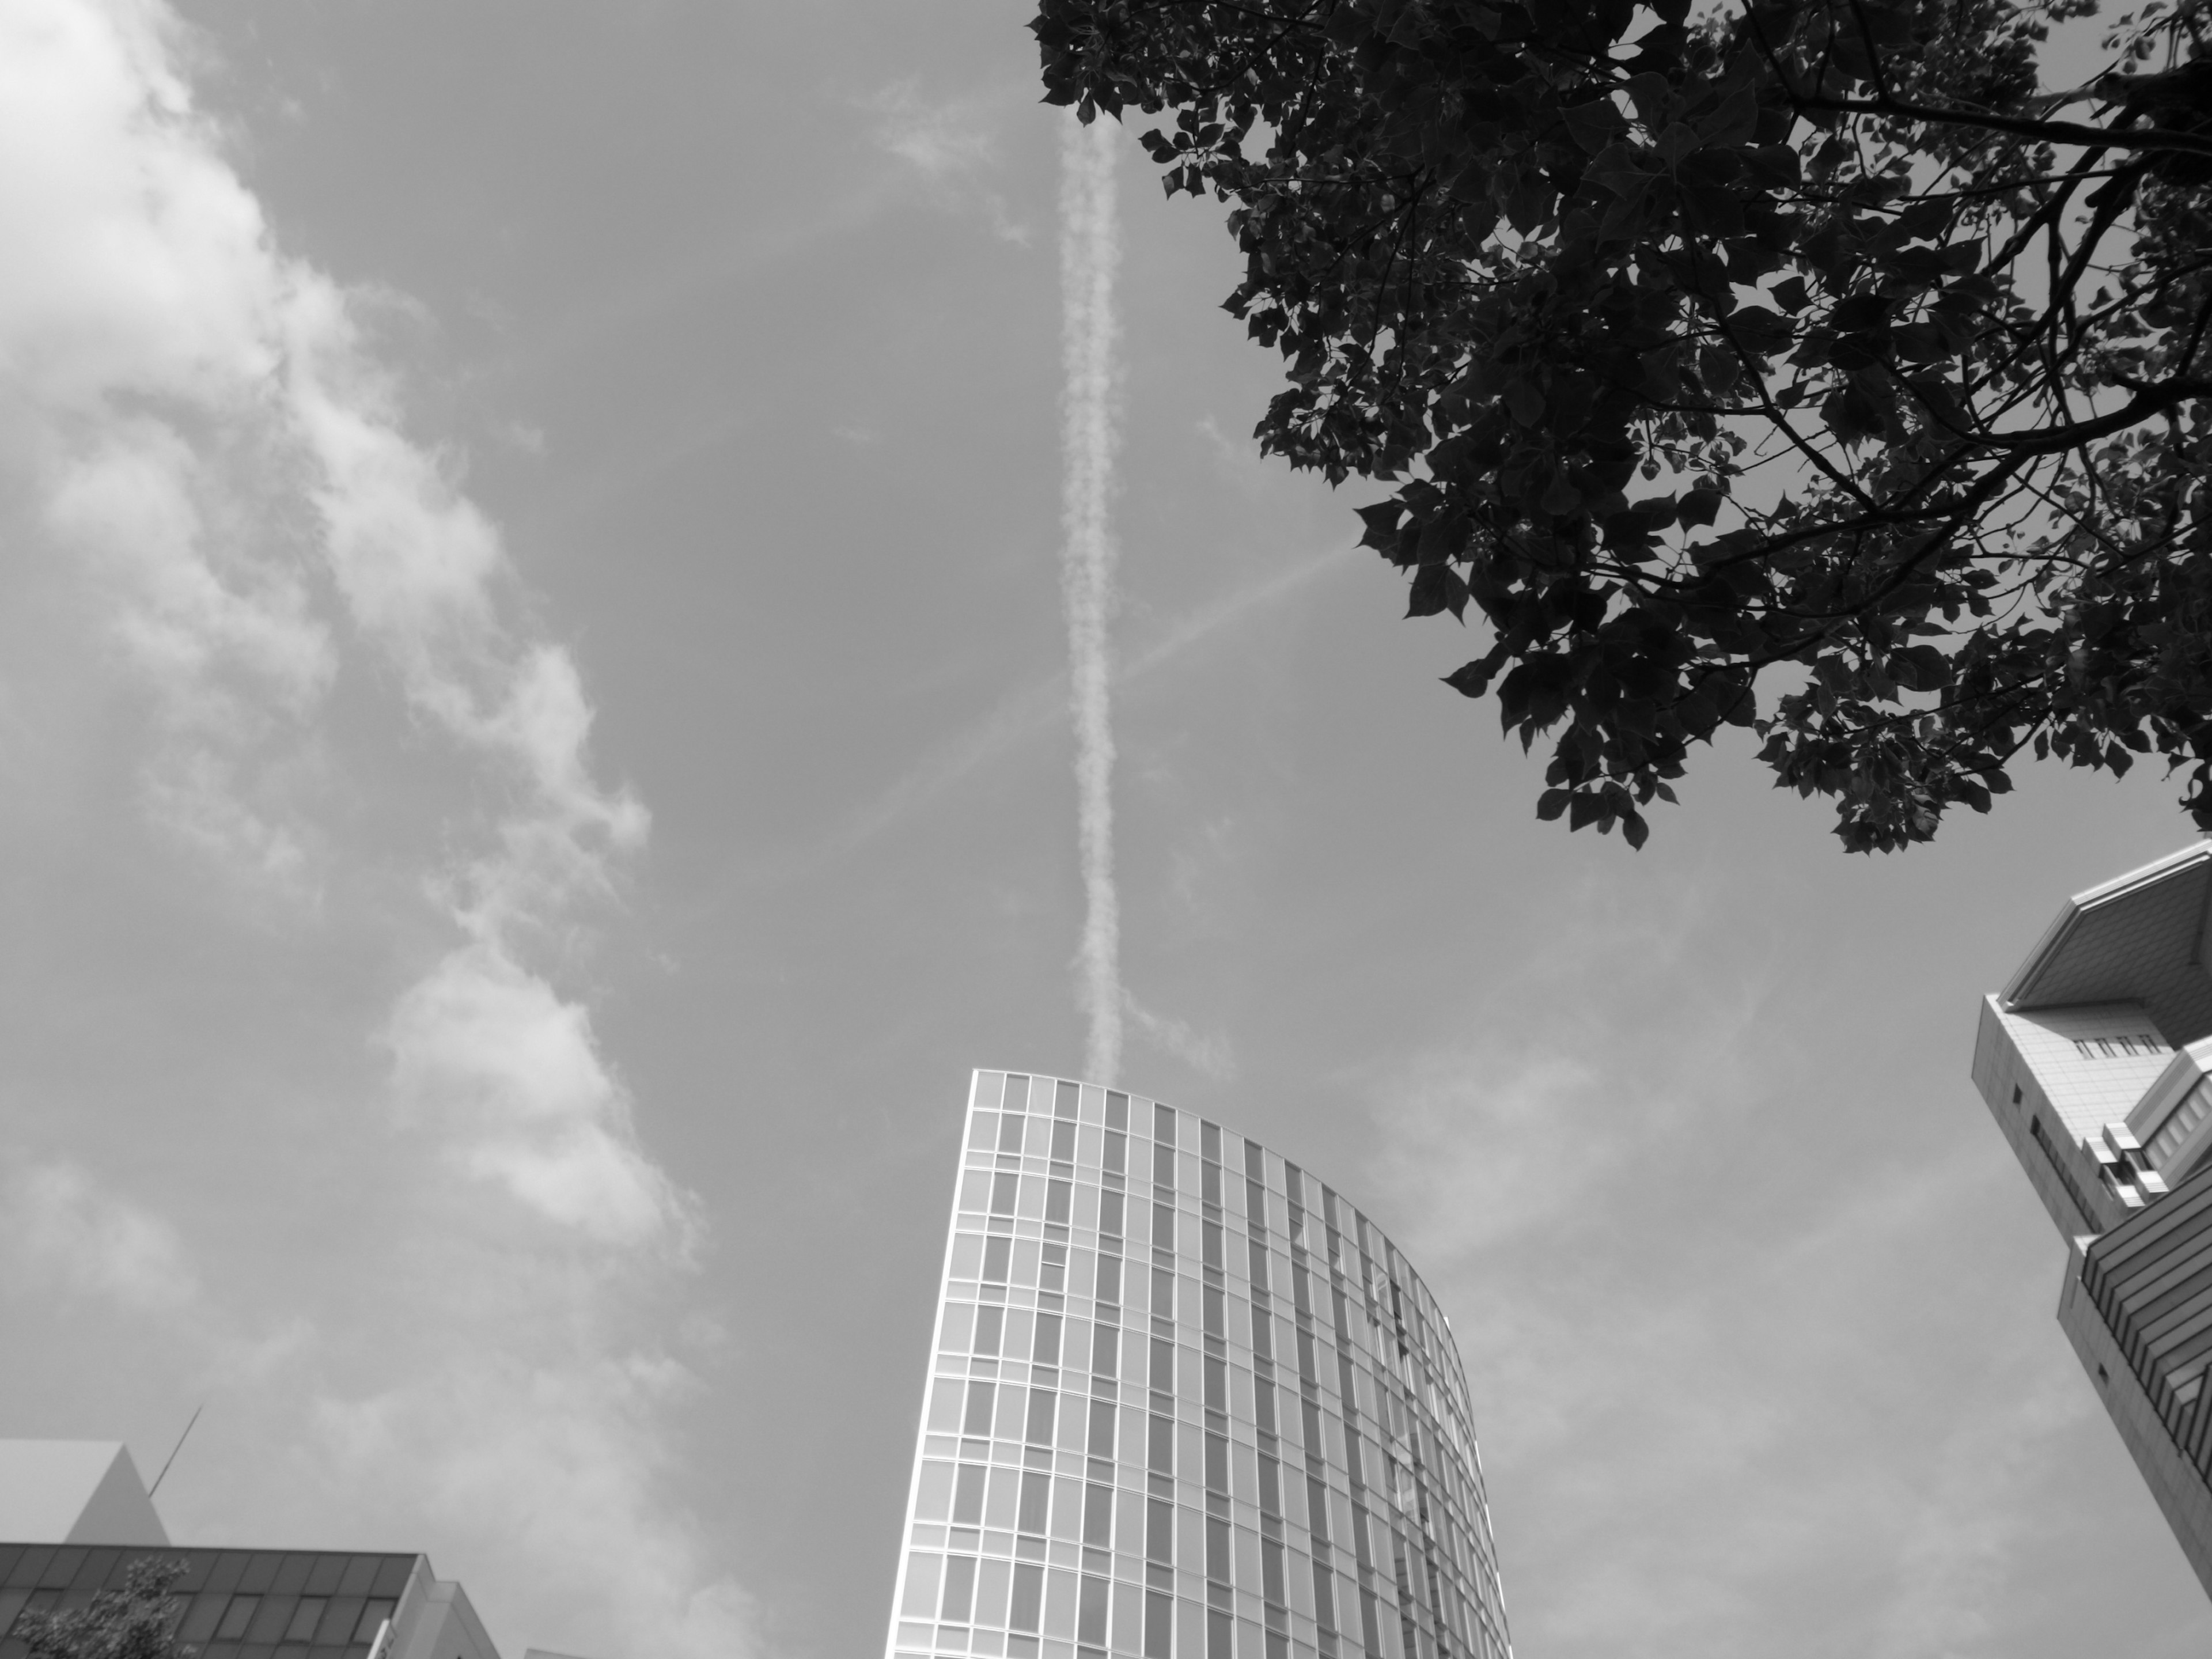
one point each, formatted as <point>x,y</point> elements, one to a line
<point>1089,250</point>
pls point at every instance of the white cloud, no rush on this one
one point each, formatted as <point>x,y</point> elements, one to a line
<point>488,1050</point>
<point>943,140</point>
<point>57,1227</point>
<point>950,145</point>
<point>309,613</point>
<point>558,1466</point>
<point>1209,1053</point>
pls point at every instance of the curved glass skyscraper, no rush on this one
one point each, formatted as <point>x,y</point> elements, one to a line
<point>1185,1402</point>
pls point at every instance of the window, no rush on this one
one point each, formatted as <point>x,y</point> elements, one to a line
<point>236,1617</point>
<point>1043,1406</point>
<point>2183,1119</point>
<point>922,1574</point>
<point>1098,1517</point>
<point>1045,1349</point>
<point>1091,1615</point>
<point>968,1496</point>
<point>305,1619</point>
<point>1028,1598</point>
<point>1105,1350</point>
<point>980,1398</point>
<point>1101,1428</point>
<point>1159,1445</point>
<point>933,1497</point>
<point>1160,1531</point>
<point>1009,1132</point>
<point>997,1252</point>
<point>1110,1279</point>
<point>959,1587</point>
<point>1110,1214</point>
<point>1036,1503</point>
<point>1063,1141</point>
<point>1163,1379</point>
<point>1159,1625</point>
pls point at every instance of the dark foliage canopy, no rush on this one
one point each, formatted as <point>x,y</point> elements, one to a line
<point>1905,354</point>
<point>137,1621</point>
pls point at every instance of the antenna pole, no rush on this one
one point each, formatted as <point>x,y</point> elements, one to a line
<point>174,1449</point>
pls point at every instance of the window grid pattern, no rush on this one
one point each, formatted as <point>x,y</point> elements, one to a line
<point>229,1604</point>
<point>1185,1402</point>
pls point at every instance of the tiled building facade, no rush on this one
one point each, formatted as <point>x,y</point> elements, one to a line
<point>1184,1402</point>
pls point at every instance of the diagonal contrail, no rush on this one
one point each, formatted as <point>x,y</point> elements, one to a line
<point>1090,249</point>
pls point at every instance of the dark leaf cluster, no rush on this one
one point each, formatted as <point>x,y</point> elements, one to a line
<point>1804,366</point>
<point>137,1621</point>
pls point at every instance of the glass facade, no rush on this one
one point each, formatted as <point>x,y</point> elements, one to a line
<point>1184,1402</point>
<point>230,1604</point>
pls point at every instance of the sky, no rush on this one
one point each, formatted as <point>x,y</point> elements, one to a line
<point>535,752</point>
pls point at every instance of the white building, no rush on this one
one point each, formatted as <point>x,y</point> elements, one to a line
<point>2093,1060</point>
<point>1184,1402</point>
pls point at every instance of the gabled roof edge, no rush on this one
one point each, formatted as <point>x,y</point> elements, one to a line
<point>2062,924</point>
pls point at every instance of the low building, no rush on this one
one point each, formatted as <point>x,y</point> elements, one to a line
<point>2096,1062</point>
<point>75,1517</point>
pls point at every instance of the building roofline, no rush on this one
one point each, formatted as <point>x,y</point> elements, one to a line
<point>2050,945</point>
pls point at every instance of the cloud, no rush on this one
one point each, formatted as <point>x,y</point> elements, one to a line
<point>1090,257</point>
<point>943,140</point>
<point>559,1466</point>
<point>1209,1053</point>
<point>308,612</point>
<point>59,1227</point>
<point>488,1048</point>
<point>950,144</point>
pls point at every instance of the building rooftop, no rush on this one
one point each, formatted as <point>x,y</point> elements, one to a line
<point>2140,939</point>
<point>75,1492</point>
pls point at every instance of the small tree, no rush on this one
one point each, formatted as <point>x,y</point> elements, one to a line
<point>1915,349</point>
<point>137,1621</point>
